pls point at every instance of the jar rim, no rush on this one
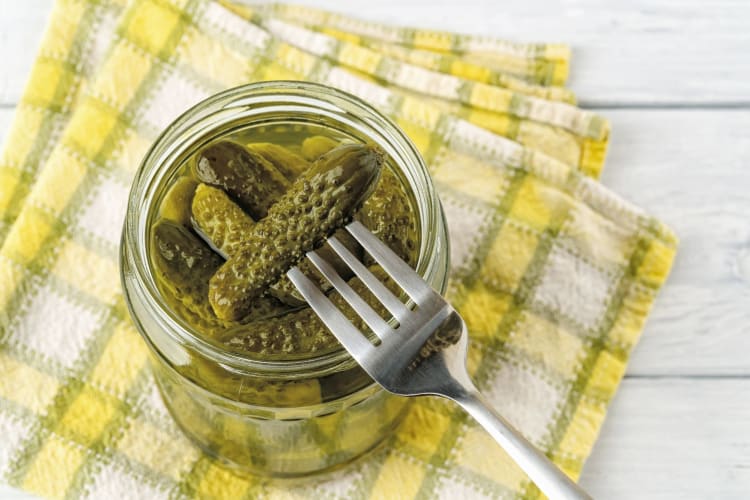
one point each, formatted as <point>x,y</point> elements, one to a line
<point>161,159</point>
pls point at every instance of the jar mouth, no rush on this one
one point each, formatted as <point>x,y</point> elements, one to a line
<point>238,107</point>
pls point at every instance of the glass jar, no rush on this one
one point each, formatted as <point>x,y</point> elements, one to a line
<point>273,417</point>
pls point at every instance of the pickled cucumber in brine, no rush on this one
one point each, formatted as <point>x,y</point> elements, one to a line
<point>245,175</point>
<point>246,208</point>
<point>320,201</point>
<point>290,164</point>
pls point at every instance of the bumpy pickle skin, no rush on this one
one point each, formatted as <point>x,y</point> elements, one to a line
<point>296,332</point>
<point>224,225</point>
<point>319,202</point>
<point>316,146</point>
<point>183,265</point>
<point>302,331</point>
<point>220,219</point>
<point>290,164</point>
<point>245,175</point>
<point>284,289</point>
<point>388,214</point>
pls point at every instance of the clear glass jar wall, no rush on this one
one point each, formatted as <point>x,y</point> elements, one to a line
<point>269,416</point>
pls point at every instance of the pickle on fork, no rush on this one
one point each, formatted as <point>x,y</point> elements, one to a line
<point>319,202</point>
<point>284,289</point>
<point>240,216</point>
<point>220,219</point>
<point>223,224</point>
<point>302,331</point>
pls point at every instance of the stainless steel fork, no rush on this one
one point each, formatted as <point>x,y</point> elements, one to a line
<point>424,354</point>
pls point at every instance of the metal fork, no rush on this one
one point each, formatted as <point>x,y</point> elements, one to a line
<point>424,354</point>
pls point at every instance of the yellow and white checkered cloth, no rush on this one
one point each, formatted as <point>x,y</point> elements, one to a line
<point>554,274</point>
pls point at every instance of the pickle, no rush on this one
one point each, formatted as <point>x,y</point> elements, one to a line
<point>245,175</point>
<point>176,203</point>
<point>290,164</point>
<point>224,225</point>
<point>184,264</point>
<point>316,146</point>
<point>388,215</point>
<point>320,201</point>
<point>284,289</point>
<point>302,331</point>
<point>253,390</point>
<point>220,219</point>
<point>296,332</point>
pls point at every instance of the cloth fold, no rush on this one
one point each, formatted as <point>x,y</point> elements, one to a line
<point>553,273</point>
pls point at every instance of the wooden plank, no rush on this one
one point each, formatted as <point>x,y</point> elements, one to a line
<point>639,51</point>
<point>690,168</point>
<point>624,52</point>
<point>686,439</point>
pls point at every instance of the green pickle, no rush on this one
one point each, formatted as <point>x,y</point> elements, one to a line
<point>234,220</point>
<point>387,214</point>
<point>220,220</point>
<point>223,224</point>
<point>320,201</point>
<point>184,264</point>
<point>284,289</point>
<point>245,175</point>
<point>290,164</point>
<point>302,331</point>
<point>316,146</point>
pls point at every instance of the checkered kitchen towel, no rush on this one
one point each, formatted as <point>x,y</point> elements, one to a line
<point>553,273</point>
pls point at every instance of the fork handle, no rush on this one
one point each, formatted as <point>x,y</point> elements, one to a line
<point>548,478</point>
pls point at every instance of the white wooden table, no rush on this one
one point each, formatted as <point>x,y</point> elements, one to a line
<point>674,79</point>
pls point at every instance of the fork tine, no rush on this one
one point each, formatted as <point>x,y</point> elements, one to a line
<point>399,270</point>
<point>397,308</point>
<point>362,308</point>
<point>350,337</point>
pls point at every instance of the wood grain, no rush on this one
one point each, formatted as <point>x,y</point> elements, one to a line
<point>672,52</point>
<point>8,493</point>
<point>638,51</point>
<point>676,439</point>
<point>691,169</point>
